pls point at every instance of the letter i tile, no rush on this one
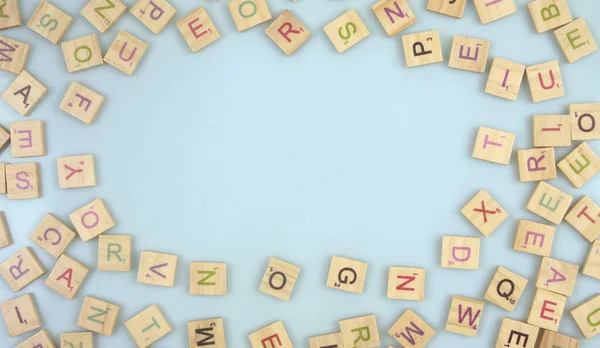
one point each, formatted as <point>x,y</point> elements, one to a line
<point>491,10</point>
<point>484,213</point>
<point>516,334</point>
<point>20,315</point>
<point>360,332</point>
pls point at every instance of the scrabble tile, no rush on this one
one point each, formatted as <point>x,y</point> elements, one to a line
<point>288,32</point>
<point>82,103</point>
<point>27,139</point>
<point>76,339</point>
<point>2,178</point>
<point>549,202</point>
<point>545,81</point>
<point>154,14</point>
<point>22,268</point>
<point>23,181</point>
<point>550,339</point>
<point>460,252</point>
<point>279,279</point>
<point>493,145</point>
<point>76,171</point>
<point>248,13</point>
<point>464,308</point>
<point>4,141</point>
<point>5,236</point>
<point>411,331</point>
<point>157,269</point>
<point>126,52</point>
<point>551,130</point>
<point>580,165</point>
<point>20,315</point>
<point>394,15</point>
<point>14,54</point>
<point>422,48</point>
<point>592,264</point>
<point>91,220</point>
<point>505,289</point>
<point>584,118</point>
<point>10,14</point>
<point>484,213</point>
<point>549,14</point>
<point>516,334</point>
<point>114,253</point>
<point>534,238</point>
<point>52,235</point>
<point>546,309</point>
<point>346,31</point>
<point>82,53</point>
<point>491,10</point>
<point>406,284</point>
<point>40,340</point>
<point>49,21</point>
<point>208,278</point>
<point>576,40</point>
<point>198,30</point>
<point>102,14</point>
<point>557,276</point>
<point>24,93</point>
<point>98,316</point>
<point>333,340</point>
<point>505,79</point>
<point>469,54</point>
<point>360,332</point>
<point>206,332</point>
<point>454,8</point>
<point>586,317</point>
<point>67,276</point>
<point>347,275</point>
<point>273,335</point>
<point>148,326</point>
<point>537,164</point>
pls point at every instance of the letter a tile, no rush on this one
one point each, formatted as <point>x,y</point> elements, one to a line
<point>484,213</point>
<point>557,276</point>
<point>67,276</point>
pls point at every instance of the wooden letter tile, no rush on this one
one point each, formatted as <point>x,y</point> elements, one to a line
<point>82,103</point>
<point>460,252</point>
<point>464,316</point>
<point>347,275</point>
<point>491,10</point>
<point>198,29</point>
<point>157,269</point>
<point>52,235</point>
<point>76,171</point>
<point>406,284</point>
<point>411,331</point>
<point>2,178</point>
<point>506,289</point>
<point>551,130</point>
<point>20,315</point>
<point>586,317</point>
<point>24,93</point>
<point>493,145</point>
<point>82,53</point>
<point>154,14</point>
<point>10,14</point>
<point>23,181</point>
<point>206,332</point>
<point>4,141</point>
<point>557,276</point>
<point>288,32</point>
<point>346,31</point>
<point>92,220</point>
<point>40,340</point>
<point>469,54</point>
<point>279,279</point>
<point>422,48</point>
<point>330,340</point>
<point>576,40</point>
<point>248,13</point>
<point>21,269</point>
<point>27,139</point>
<point>114,253</point>
<point>126,52</point>
<point>592,264</point>
<point>66,276</point>
<point>5,236</point>
<point>551,339</point>
<point>102,14</point>
<point>545,81</point>
<point>549,14</point>
<point>76,339</point>
<point>273,335</point>
<point>484,213</point>
<point>584,118</point>
<point>537,164</point>
<point>449,8</point>
<point>534,238</point>
<point>49,21</point>
<point>580,165</point>
<point>516,334</point>
<point>546,309</point>
<point>505,79</point>
<point>14,54</point>
<point>98,316</point>
<point>394,15</point>
<point>360,332</point>
<point>148,326</point>
<point>208,278</point>
<point>549,202</point>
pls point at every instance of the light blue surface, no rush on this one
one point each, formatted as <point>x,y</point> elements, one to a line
<point>239,153</point>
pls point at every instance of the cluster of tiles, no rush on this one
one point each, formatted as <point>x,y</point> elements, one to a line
<point>556,279</point>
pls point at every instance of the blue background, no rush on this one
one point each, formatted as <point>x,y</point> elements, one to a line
<point>239,153</point>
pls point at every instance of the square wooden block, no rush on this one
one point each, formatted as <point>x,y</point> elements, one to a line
<point>549,202</point>
<point>411,331</point>
<point>505,79</point>
<point>469,54</point>
<point>148,326</point>
<point>98,316</point>
<point>157,269</point>
<point>557,276</point>
<point>76,171</point>
<point>584,118</point>
<point>592,264</point>
<point>288,32</point>
<point>5,236</point>
<point>347,274</point>
<point>21,269</point>
<point>198,30</point>
<point>460,252</point>
<point>406,284</point>
<point>422,48</point>
<point>394,15</point>
<point>2,179</point>
<point>49,21</point>
<point>549,14</point>
<point>20,315</point>
<point>24,93</point>
<point>114,253</point>
<point>28,139</point>
<point>580,165</point>
<point>505,289</point>
<point>493,145</point>
<point>154,14</point>
<point>332,340</point>
<point>279,279</point>
<point>484,213</point>
<point>454,8</point>
<point>40,340</point>
<point>208,278</point>
<point>23,181</point>
<point>14,54</point>
<point>52,235</point>
<point>248,13</point>
<point>491,10</point>
<point>273,335</point>
<point>537,164</point>
<point>346,31</point>
<point>546,309</point>
<point>551,130</point>
<point>464,316</point>
<point>11,14</point>
<point>586,317</point>
<point>360,332</point>
<point>102,14</point>
<point>206,332</point>
<point>576,40</point>
<point>76,339</point>
<point>126,52</point>
<point>91,220</point>
<point>534,238</point>
<point>545,81</point>
<point>516,334</point>
<point>550,339</point>
<point>67,276</point>
<point>4,141</point>
<point>82,103</point>
<point>82,53</point>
